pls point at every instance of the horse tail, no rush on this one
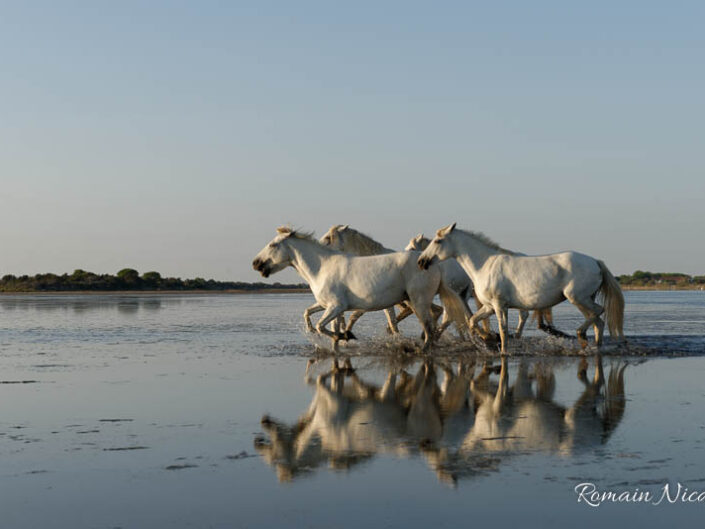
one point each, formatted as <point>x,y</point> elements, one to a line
<point>457,310</point>
<point>613,302</point>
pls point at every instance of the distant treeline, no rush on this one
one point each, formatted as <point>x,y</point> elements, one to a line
<point>641,279</point>
<point>126,279</point>
<point>130,279</point>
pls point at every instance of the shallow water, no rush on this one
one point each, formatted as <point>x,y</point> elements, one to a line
<point>145,411</point>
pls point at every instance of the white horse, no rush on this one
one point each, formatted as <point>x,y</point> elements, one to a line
<point>504,281</point>
<point>351,241</point>
<point>453,275</point>
<point>457,276</point>
<point>341,282</point>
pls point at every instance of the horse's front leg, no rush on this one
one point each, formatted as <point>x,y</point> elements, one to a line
<point>485,322</point>
<point>331,313</point>
<point>307,316</point>
<point>348,334</point>
<point>339,324</point>
<point>484,312</point>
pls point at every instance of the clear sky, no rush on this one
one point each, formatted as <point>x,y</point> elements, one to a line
<point>175,136</point>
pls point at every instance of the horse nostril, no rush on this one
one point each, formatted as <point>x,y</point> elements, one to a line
<point>256,264</point>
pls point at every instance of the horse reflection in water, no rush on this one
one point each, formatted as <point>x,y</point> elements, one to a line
<point>523,418</point>
<point>465,426</point>
<point>350,420</point>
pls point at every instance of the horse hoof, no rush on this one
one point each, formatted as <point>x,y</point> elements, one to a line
<point>552,331</point>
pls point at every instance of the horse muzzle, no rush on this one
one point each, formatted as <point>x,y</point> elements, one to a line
<point>425,262</point>
<point>262,267</point>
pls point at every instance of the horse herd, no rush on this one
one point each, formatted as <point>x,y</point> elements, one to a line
<point>349,271</point>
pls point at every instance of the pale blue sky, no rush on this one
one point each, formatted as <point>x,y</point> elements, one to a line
<point>175,136</point>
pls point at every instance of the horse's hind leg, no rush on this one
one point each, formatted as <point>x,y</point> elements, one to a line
<point>436,310</point>
<point>547,316</point>
<point>348,334</point>
<point>428,323</point>
<point>502,320</point>
<point>445,323</point>
<point>427,320</point>
<point>544,322</point>
<point>391,320</point>
<point>523,315</point>
<point>591,311</point>
<point>405,311</point>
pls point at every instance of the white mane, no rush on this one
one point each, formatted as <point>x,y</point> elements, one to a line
<point>360,244</point>
<point>484,239</point>
<point>296,234</point>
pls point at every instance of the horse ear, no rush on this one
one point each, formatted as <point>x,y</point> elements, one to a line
<point>343,228</point>
<point>284,230</point>
<point>446,230</point>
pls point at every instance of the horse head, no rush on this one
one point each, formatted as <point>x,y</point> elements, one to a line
<point>334,237</point>
<point>418,243</point>
<point>440,249</point>
<point>277,254</point>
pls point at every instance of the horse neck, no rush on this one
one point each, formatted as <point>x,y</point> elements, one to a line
<point>308,258</point>
<point>472,253</point>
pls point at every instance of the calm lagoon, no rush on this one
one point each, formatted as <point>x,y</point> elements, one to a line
<point>207,411</point>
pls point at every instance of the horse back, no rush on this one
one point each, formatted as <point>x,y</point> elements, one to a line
<point>539,281</point>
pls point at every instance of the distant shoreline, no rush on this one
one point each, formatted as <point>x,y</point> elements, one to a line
<point>129,281</point>
<point>664,289</point>
<point>156,292</point>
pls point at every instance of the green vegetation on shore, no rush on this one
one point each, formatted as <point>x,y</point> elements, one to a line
<point>661,280</point>
<point>126,279</point>
<point>130,279</point>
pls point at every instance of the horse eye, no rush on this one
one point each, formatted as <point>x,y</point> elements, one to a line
<point>272,245</point>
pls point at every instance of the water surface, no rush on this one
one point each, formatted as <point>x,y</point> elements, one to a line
<point>204,411</point>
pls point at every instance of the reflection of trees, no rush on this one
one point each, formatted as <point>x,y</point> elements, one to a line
<point>463,427</point>
<point>125,303</point>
